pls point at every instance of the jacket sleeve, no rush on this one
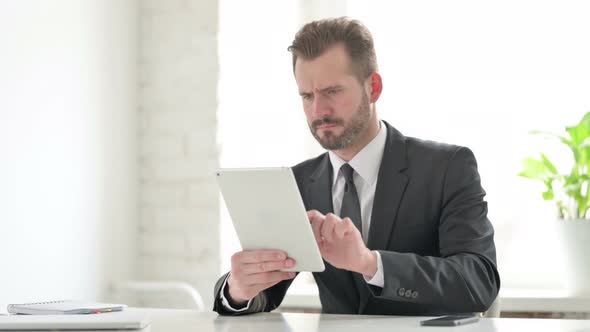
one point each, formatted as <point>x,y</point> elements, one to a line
<point>265,301</point>
<point>465,277</point>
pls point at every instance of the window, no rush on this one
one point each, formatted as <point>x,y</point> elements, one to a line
<point>260,118</point>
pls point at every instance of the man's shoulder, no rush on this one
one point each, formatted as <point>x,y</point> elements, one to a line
<point>429,162</point>
<point>437,153</point>
<point>418,145</point>
<point>308,167</point>
<point>414,147</point>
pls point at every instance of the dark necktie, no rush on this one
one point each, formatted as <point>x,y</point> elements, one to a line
<point>351,206</point>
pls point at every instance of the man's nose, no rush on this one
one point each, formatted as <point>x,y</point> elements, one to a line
<point>320,107</point>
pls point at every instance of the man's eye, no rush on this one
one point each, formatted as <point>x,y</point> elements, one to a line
<point>332,91</point>
<point>306,97</point>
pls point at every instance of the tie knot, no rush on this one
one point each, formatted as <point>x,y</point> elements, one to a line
<point>347,171</point>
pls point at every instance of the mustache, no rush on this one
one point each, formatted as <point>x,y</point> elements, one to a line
<point>326,121</point>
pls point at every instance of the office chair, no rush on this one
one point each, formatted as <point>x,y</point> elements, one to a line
<point>157,294</point>
<point>494,310</point>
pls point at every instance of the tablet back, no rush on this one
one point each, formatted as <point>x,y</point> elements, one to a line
<point>268,213</point>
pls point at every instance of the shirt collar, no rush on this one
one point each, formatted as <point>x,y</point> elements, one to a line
<point>367,161</point>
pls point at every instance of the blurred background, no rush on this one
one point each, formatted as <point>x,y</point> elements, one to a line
<point>114,115</point>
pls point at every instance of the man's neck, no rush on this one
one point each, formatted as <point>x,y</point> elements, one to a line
<point>352,150</point>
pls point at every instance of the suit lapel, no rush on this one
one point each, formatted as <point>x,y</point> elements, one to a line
<point>391,184</point>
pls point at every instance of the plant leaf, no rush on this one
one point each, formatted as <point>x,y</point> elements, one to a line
<point>548,164</point>
<point>534,169</point>
<point>548,134</point>
<point>581,131</point>
<point>548,195</point>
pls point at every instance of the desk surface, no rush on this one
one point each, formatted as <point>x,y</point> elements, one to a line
<point>514,300</point>
<point>185,320</point>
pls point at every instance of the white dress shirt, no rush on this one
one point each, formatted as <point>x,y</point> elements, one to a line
<point>366,165</point>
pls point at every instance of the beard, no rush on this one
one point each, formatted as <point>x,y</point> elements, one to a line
<point>357,125</point>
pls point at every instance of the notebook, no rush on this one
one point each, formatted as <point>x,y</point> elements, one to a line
<point>67,307</point>
<point>121,320</point>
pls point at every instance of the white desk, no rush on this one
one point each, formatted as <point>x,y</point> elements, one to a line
<point>184,320</point>
<point>513,300</point>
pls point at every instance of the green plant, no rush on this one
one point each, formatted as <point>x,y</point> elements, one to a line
<point>571,191</point>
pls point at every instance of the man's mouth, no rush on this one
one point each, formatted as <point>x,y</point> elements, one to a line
<point>326,126</point>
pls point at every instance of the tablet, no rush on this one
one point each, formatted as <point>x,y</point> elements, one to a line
<point>268,213</point>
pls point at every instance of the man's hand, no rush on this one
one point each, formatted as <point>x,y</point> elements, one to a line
<point>341,243</point>
<point>255,271</point>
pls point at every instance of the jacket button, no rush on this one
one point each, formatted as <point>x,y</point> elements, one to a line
<point>414,294</point>
<point>408,293</point>
<point>401,291</point>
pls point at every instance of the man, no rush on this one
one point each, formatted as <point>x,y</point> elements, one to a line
<point>400,222</point>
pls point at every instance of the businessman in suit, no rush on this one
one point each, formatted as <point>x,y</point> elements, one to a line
<point>400,222</point>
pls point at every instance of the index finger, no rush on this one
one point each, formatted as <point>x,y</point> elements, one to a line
<point>264,255</point>
<point>314,215</point>
<point>316,219</point>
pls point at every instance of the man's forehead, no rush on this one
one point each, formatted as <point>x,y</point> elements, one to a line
<point>318,81</point>
<point>319,78</point>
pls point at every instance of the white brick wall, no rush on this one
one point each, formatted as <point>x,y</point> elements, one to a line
<point>179,207</point>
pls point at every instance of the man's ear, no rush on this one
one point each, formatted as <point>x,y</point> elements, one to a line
<point>376,86</point>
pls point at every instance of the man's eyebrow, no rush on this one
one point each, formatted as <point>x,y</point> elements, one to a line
<point>331,87</point>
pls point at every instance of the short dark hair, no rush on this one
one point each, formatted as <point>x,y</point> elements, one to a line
<point>314,38</point>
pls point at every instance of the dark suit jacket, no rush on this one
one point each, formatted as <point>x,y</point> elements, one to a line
<point>430,225</point>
